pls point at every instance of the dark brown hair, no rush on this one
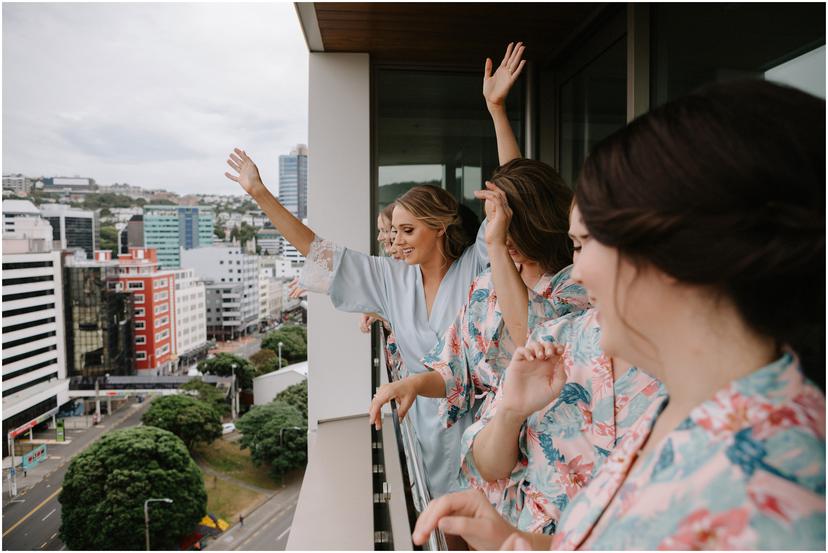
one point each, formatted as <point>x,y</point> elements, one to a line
<point>725,188</point>
<point>438,210</point>
<point>540,200</point>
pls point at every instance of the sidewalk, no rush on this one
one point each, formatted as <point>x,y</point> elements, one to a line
<point>60,453</point>
<point>281,500</point>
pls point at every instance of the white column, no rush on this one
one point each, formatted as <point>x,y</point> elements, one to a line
<point>339,196</point>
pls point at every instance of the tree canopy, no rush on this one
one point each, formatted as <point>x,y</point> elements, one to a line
<point>106,485</point>
<point>266,361</point>
<point>294,340</point>
<point>185,416</point>
<point>243,233</point>
<point>222,365</point>
<point>296,395</point>
<point>262,429</point>
<point>208,393</point>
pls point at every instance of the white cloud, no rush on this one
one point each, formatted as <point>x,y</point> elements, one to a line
<point>155,95</point>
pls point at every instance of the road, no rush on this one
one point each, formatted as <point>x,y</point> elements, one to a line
<point>33,523</point>
<point>265,529</point>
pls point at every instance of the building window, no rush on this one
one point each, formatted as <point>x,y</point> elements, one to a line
<point>140,339</point>
<point>139,312</point>
<point>138,298</point>
<point>140,355</point>
<point>162,283</point>
<point>135,285</point>
<point>160,296</point>
<point>163,308</point>
<point>140,325</point>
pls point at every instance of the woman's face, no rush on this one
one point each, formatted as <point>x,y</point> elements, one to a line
<point>626,297</point>
<point>517,256</point>
<point>415,242</point>
<point>384,235</point>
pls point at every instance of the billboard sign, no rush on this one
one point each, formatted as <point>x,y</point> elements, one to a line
<point>34,457</point>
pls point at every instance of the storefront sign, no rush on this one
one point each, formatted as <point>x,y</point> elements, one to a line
<point>34,457</point>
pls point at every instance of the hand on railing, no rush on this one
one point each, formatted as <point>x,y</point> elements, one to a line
<point>404,392</point>
<point>467,514</point>
<point>368,319</point>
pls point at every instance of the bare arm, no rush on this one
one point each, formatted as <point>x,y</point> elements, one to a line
<point>495,89</point>
<point>294,231</point>
<point>535,377</point>
<point>512,294</point>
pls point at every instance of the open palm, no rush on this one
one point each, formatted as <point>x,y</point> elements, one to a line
<point>496,86</point>
<point>247,174</point>
<point>534,378</point>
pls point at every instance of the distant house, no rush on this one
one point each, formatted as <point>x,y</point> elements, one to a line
<point>268,386</point>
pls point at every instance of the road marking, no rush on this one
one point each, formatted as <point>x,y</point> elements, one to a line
<point>44,544</point>
<point>53,536</point>
<point>282,535</point>
<point>50,514</point>
<point>30,513</point>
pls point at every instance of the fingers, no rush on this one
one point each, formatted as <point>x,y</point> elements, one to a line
<point>519,70</point>
<point>461,503</point>
<point>233,164</point>
<point>521,354</point>
<point>473,530</point>
<point>403,405</point>
<point>507,55</point>
<point>231,177</point>
<point>487,69</point>
<point>515,60</point>
<point>236,159</point>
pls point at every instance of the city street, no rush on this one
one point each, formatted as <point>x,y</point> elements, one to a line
<point>265,529</point>
<point>32,520</point>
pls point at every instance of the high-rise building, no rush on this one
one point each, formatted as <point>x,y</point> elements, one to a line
<point>269,240</point>
<point>190,318</point>
<point>153,298</point>
<point>293,181</point>
<point>72,228</point>
<point>169,228</point>
<point>232,276</point>
<point>35,381</point>
<point>99,318</point>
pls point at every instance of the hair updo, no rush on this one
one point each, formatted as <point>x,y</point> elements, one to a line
<point>725,188</point>
<point>439,210</point>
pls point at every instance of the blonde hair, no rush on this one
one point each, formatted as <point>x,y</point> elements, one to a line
<point>438,210</point>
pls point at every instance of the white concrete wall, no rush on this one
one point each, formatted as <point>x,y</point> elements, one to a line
<point>339,208</point>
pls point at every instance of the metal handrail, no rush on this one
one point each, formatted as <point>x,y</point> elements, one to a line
<point>418,484</point>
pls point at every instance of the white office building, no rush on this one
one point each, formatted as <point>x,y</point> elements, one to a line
<point>227,270</point>
<point>72,228</point>
<point>190,317</point>
<point>34,351</point>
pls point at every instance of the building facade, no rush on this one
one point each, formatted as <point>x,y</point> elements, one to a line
<point>19,184</point>
<point>35,380</point>
<point>12,209</point>
<point>293,181</point>
<point>169,228</point>
<point>190,318</point>
<point>225,267</point>
<point>72,228</point>
<point>99,319</point>
<point>153,299</point>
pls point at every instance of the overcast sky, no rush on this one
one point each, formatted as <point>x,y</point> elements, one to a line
<point>155,95</point>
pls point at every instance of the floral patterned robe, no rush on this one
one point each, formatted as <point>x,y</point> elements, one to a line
<point>477,348</point>
<point>561,445</point>
<point>745,470</point>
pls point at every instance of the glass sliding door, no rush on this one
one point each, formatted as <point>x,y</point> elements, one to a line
<point>432,127</point>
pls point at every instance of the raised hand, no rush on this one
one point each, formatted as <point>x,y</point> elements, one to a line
<point>496,87</point>
<point>467,514</point>
<point>247,174</point>
<point>498,213</point>
<point>404,392</point>
<point>534,378</point>
<point>295,291</point>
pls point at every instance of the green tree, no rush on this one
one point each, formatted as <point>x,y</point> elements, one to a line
<point>266,361</point>
<point>218,231</point>
<point>185,416</point>
<point>222,365</point>
<point>270,432</point>
<point>109,238</point>
<point>102,501</point>
<point>294,342</point>
<point>208,394</point>
<point>296,395</point>
<point>243,233</point>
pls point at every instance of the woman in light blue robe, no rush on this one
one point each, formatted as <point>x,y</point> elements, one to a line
<point>419,296</point>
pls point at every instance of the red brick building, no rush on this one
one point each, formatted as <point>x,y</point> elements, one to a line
<point>153,294</point>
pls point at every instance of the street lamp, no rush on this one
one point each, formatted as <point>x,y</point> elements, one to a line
<point>235,399</point>
<point>146,515</point>
<point>280,355</point>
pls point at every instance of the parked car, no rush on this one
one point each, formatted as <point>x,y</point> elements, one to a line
<point>228,427</point>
